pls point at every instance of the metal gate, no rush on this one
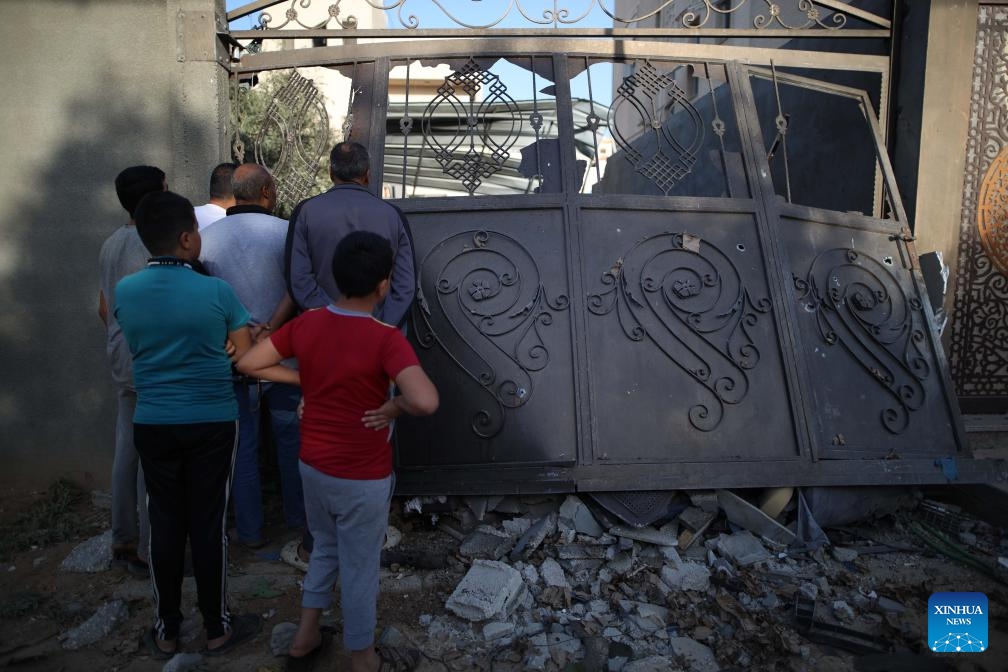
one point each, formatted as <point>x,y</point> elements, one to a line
<point>734,302</point>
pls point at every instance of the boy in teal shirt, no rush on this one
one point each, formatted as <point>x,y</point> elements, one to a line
<point>176,322</point>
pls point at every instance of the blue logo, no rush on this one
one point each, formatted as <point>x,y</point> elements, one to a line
<point>957,623</point>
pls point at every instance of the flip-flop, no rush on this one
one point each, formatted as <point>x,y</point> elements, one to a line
<point>397,658</point>
<point>289,554</point>
<point>156,652</point>
<point>306,663</point>
<point>243,628</point>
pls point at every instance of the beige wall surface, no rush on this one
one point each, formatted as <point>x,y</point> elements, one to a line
<point>944,128</point>
<point>89,88</point>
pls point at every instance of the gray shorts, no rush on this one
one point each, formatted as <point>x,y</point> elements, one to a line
<point>348,519</point>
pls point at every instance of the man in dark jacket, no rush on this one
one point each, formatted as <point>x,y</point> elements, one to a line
<point>320,223</point>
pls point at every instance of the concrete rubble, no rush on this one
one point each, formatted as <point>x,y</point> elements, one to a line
<point>576,588</point>
<point>556,583</point>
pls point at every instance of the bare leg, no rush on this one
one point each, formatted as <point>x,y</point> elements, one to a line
<point>308,635</point>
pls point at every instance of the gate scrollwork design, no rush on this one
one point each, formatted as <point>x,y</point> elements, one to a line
<point>653,99</point>
<point>485,294</point>
<point>860,306</point>
<point>686,297</point>
<point>487,123</point>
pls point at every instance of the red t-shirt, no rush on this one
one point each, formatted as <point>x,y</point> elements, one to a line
<point>347,362</point>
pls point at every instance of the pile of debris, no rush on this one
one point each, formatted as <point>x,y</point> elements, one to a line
<point>712,581</point>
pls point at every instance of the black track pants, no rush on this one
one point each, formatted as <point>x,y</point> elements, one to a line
<point>188,473</point>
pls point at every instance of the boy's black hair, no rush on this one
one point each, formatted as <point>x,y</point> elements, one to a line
<point>361,261</point>
<point>160,218</point>
<point>348,161</point>
<point>135,182</point>
<point>220,180</point>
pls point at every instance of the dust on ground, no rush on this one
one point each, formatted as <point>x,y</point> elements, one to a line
<point>746,616</point>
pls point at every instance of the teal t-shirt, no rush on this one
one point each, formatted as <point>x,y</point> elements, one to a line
<point>175,322</point>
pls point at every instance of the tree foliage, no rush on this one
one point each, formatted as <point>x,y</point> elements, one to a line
<point>288,133</point>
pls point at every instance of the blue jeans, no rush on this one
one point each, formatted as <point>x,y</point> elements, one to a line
<point>281,401</point>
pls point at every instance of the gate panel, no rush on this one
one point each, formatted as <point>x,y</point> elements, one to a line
<point>682,347</point>
<point>492,326</point>
<point>868,347</point>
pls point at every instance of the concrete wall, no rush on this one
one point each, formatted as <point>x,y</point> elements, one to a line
<point>945,126</point>
<point>89,88</point>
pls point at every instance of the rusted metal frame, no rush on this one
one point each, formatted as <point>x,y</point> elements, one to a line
<point>323,56</point>
<point>677,204</point>
<point>851,220</point>
<point>496,479</point>
<point>574,248</point>
<point>849,9</point>
<point>491,203</point>
<point>771,473</point>
<point>508,33</point>
<point>775,261</point>
<point>378,111</point>
<point>905,243</point>
<point>855,94</point>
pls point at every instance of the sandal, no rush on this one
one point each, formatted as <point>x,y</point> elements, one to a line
<point>397,658</point>
<point>243,628</point>
<point>306,663</point>
<point>149,639</point>
<point>291,554</point>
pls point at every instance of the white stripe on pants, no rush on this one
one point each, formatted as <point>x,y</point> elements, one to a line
<point>348,519</point>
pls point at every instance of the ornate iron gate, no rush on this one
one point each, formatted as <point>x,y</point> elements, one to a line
<point>979,344</point>
<point>707,311</point>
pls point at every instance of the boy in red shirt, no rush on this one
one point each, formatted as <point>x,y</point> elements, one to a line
<point>346,360</point>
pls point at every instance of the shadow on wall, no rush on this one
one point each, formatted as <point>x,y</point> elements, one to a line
<point>57,410</point>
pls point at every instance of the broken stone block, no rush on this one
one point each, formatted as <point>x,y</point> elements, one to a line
<point>686,576</point>
<point>564,648</point>
<point>742,547</point>
<point>579,565</point>
<point>106,619</point>
<point>490,589</point>
<point>580,551</point>
<point>705,500</point>
<point>649,664</point>
<point>93,555</point>
<point>534,537</point>
<point>531,575</point>
<point>497,630</point>
<point>843,611</point>
<point>841,554</point>
<point>281,638</point>
<point>183,662</point>
<point>698,657</point>
<point>580,517</point>
<point>486,542</point>
<point>650,535</point>
<point>516,526</point>
<point>808,590</point>
<point>553,574</point>
<point>744,514</point>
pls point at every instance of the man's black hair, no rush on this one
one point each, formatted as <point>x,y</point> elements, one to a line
<point>136,182</point>
<point>220,180</point>
<point>160,218</point>
<point>349,161</point>
<point>361,261</point>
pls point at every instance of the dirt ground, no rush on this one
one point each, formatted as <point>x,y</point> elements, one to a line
<point>38,601</point>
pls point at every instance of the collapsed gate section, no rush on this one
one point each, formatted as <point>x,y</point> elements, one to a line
<point>659,292</point>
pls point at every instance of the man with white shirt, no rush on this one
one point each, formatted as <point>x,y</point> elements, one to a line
<point>246,250</point>
<point>221,196</point>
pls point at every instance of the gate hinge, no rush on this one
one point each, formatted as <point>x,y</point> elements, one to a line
<point>907,239</point>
